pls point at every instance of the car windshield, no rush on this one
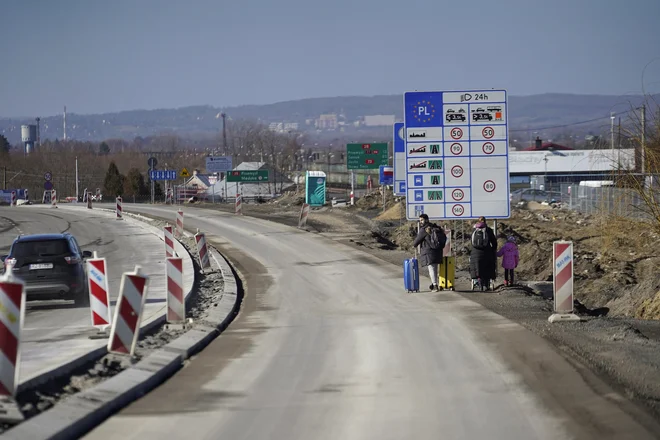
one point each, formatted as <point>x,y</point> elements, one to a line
<point>42,248</point>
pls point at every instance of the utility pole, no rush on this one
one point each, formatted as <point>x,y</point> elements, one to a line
<point>38,133</point>
<point>612,130</point>
<point>5,178</point>
<point>643,139</point>
<point>77,182</point>
<point>619,145</point>
<point>224,146</point>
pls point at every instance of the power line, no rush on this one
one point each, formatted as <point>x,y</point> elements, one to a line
<point>565,125</point>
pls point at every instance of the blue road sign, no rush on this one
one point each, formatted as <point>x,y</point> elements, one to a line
<point>399,160</point>
<point>386,175</point>
<point>162,175</point>
<point>456,144</point>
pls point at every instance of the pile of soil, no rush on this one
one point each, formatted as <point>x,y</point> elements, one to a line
<point>374,201</point>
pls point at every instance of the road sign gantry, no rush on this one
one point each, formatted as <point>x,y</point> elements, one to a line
<point>457,163</point>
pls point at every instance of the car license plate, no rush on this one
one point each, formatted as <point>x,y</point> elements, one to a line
<point>41,266</point>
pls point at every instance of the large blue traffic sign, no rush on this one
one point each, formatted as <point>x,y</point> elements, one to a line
<point>399,160</point>
<point>456,154</point>
<point>162,175</point>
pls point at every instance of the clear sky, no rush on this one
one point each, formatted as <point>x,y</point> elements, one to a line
<point>101,56</point>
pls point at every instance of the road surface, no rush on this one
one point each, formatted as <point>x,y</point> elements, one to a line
<point>55,332</point>
<point>328,346</point>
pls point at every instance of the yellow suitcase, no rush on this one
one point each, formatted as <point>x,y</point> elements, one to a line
<point>446,273</point>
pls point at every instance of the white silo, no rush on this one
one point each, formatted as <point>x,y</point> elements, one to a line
<point>29,137</point>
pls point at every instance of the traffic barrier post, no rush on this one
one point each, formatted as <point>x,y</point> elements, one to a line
<point>202,250</point>
<point>53,199</point>
<point>562,282</point>
<point>12,317</point>
<point>176,304</point>
<point>238,209</point>
<point>169,240</point>
<point>13,198</point>
<point>304,213</point>
<point>125,328</point>
<point>99,295</point>
<point>179,224</point>
<point>119,210</point>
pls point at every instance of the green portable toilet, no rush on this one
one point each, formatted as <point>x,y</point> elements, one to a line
<point>315,188</point>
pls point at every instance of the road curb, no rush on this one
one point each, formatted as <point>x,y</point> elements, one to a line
<point>82,412</point>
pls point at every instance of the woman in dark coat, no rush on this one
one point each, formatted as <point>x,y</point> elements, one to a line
<point>483,259</point>
<point>428,256</point>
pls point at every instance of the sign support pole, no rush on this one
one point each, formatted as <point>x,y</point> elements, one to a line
<point>352,188</point>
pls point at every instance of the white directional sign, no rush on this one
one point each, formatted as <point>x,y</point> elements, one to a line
<point>457,159</point>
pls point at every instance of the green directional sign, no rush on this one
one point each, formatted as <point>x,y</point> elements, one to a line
<point>251,176</point>
<point>366,156</point>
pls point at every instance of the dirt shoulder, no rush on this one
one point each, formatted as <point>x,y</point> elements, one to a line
<point>614,273</point>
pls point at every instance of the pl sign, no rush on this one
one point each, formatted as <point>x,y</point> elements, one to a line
<point>457,157</point>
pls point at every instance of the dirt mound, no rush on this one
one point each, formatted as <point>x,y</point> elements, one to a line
<point>374,200</point>
<point>395,212</point>
<point>613,258</point>
<point>650,308</point>
<point>290,198</point>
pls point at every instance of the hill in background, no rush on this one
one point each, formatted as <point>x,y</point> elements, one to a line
<point>529,116</point>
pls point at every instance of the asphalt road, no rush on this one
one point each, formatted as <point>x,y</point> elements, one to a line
<point>328,346</point>
<point>56,332</point>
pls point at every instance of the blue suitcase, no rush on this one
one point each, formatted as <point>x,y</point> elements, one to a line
<point>411,275</point>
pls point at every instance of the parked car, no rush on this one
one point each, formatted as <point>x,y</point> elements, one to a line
<point>51,265</point>
<point>533,195</point>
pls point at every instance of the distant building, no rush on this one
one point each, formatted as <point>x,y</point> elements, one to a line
<point>327,122</point>
<point>379,120</point>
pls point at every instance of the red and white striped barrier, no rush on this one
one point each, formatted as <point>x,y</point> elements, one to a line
<point>202,250</point>
<point>304,213</point>
<point>179,224</point>
<point>352,198</point>
<point>176,304</point>
<point>53,199</point>
<point>119,209</point>
<point>89,201</point>
<point>13,198</point>
<point>562,282</point>
<point>128,313</point>
<point>238,209</point>
<point>12,316</point>
<point>168,197</point>
<point>99,293</point>
<point>85,195</point>
<point>169,240</point>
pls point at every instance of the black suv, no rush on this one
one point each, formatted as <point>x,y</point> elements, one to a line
<point>51,265</point>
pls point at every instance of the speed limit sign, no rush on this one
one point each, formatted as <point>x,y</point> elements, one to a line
<point>488,148</point>
<point>456,133</point>
<point>489,186</point>
<point>488,132</point>
<point>457,210</point>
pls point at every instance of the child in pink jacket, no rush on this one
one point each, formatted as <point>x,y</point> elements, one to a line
<point>510,257</point>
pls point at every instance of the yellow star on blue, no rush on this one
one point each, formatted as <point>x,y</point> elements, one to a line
<point>431,110</point>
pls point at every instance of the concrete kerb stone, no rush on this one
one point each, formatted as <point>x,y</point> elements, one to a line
<point>82,412</point>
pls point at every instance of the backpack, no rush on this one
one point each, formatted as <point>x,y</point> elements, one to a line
<point>437,238</point>
<point>480,238</point>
